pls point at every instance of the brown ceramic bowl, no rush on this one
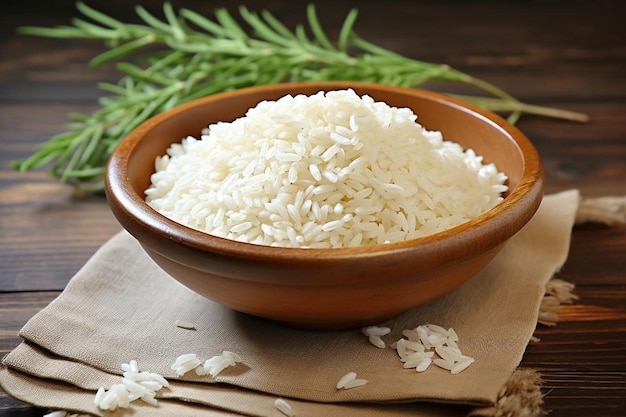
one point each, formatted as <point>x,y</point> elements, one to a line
<point>325,288</point>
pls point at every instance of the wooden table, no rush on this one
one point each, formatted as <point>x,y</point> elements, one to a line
<point>566,54</point>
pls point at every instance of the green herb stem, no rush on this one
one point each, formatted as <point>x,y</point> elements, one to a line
<point>500,105</point>
<point>192,56</point>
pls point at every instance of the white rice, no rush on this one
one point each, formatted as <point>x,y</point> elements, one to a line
<point>349,381</point>
<point>213,366</point>
<point>135,385</point>
<point>142,385</point>
<point>328,170</point>
<point>59,413</point>
<point>418,347</point>
<point>218,363</point>
<point>374,335</point>
<point>284,407</point>
<point>185,325</point>
<point>185,363</point>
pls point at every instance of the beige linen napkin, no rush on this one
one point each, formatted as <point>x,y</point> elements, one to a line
<point>121,306</point>
<point>36,362</point>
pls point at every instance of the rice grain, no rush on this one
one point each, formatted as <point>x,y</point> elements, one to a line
<point>349,381</point>
<point>284,407</point>
<point>185,325</point>
<point>424,341</point>
<point>264,177</point>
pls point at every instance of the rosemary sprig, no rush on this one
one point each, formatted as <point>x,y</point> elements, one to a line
<point>191,56</point>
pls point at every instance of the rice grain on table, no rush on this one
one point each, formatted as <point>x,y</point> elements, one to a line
<point>333,169</point>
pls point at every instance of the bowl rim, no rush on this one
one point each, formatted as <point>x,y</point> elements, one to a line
<point>515,210</point>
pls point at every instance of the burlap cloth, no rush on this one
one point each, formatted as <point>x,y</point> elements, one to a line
<point>120,306</point>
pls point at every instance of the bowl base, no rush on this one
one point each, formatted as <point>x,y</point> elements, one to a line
<point>335,325</point>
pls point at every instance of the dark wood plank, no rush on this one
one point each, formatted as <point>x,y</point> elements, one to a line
<point>598,258</point>
<point>49,230</point>
<point>532,51</point>
<point>10,407</point>
<point>584,393</point>
<point>582,360</point>
<point>15,310</point>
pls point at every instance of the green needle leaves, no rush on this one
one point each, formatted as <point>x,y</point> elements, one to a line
<point>184,56</point>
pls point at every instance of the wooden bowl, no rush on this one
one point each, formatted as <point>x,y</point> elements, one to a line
<point>325,288</point>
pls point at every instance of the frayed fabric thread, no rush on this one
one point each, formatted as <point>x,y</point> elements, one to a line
<point>609,210</point>
<point>557,292</point>
<point>521,396</point>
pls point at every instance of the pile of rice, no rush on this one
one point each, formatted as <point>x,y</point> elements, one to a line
<point>333,169</point>
<point>135,385</point>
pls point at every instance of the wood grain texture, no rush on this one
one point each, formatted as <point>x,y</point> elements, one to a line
<point>567,54</point>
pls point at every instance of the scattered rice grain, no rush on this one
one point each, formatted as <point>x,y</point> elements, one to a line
<point>374,334</point>
<point>60,413</point>
<point>461,366</point>
<point>376,330</point>
<point>185,363</point>
<point>135,385</point>
<point>185,325</point>
<point>349,381</point>
<point>284,407</point>
<point>377,341</point>
<point>215,365</point>
<point>423,342</point>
